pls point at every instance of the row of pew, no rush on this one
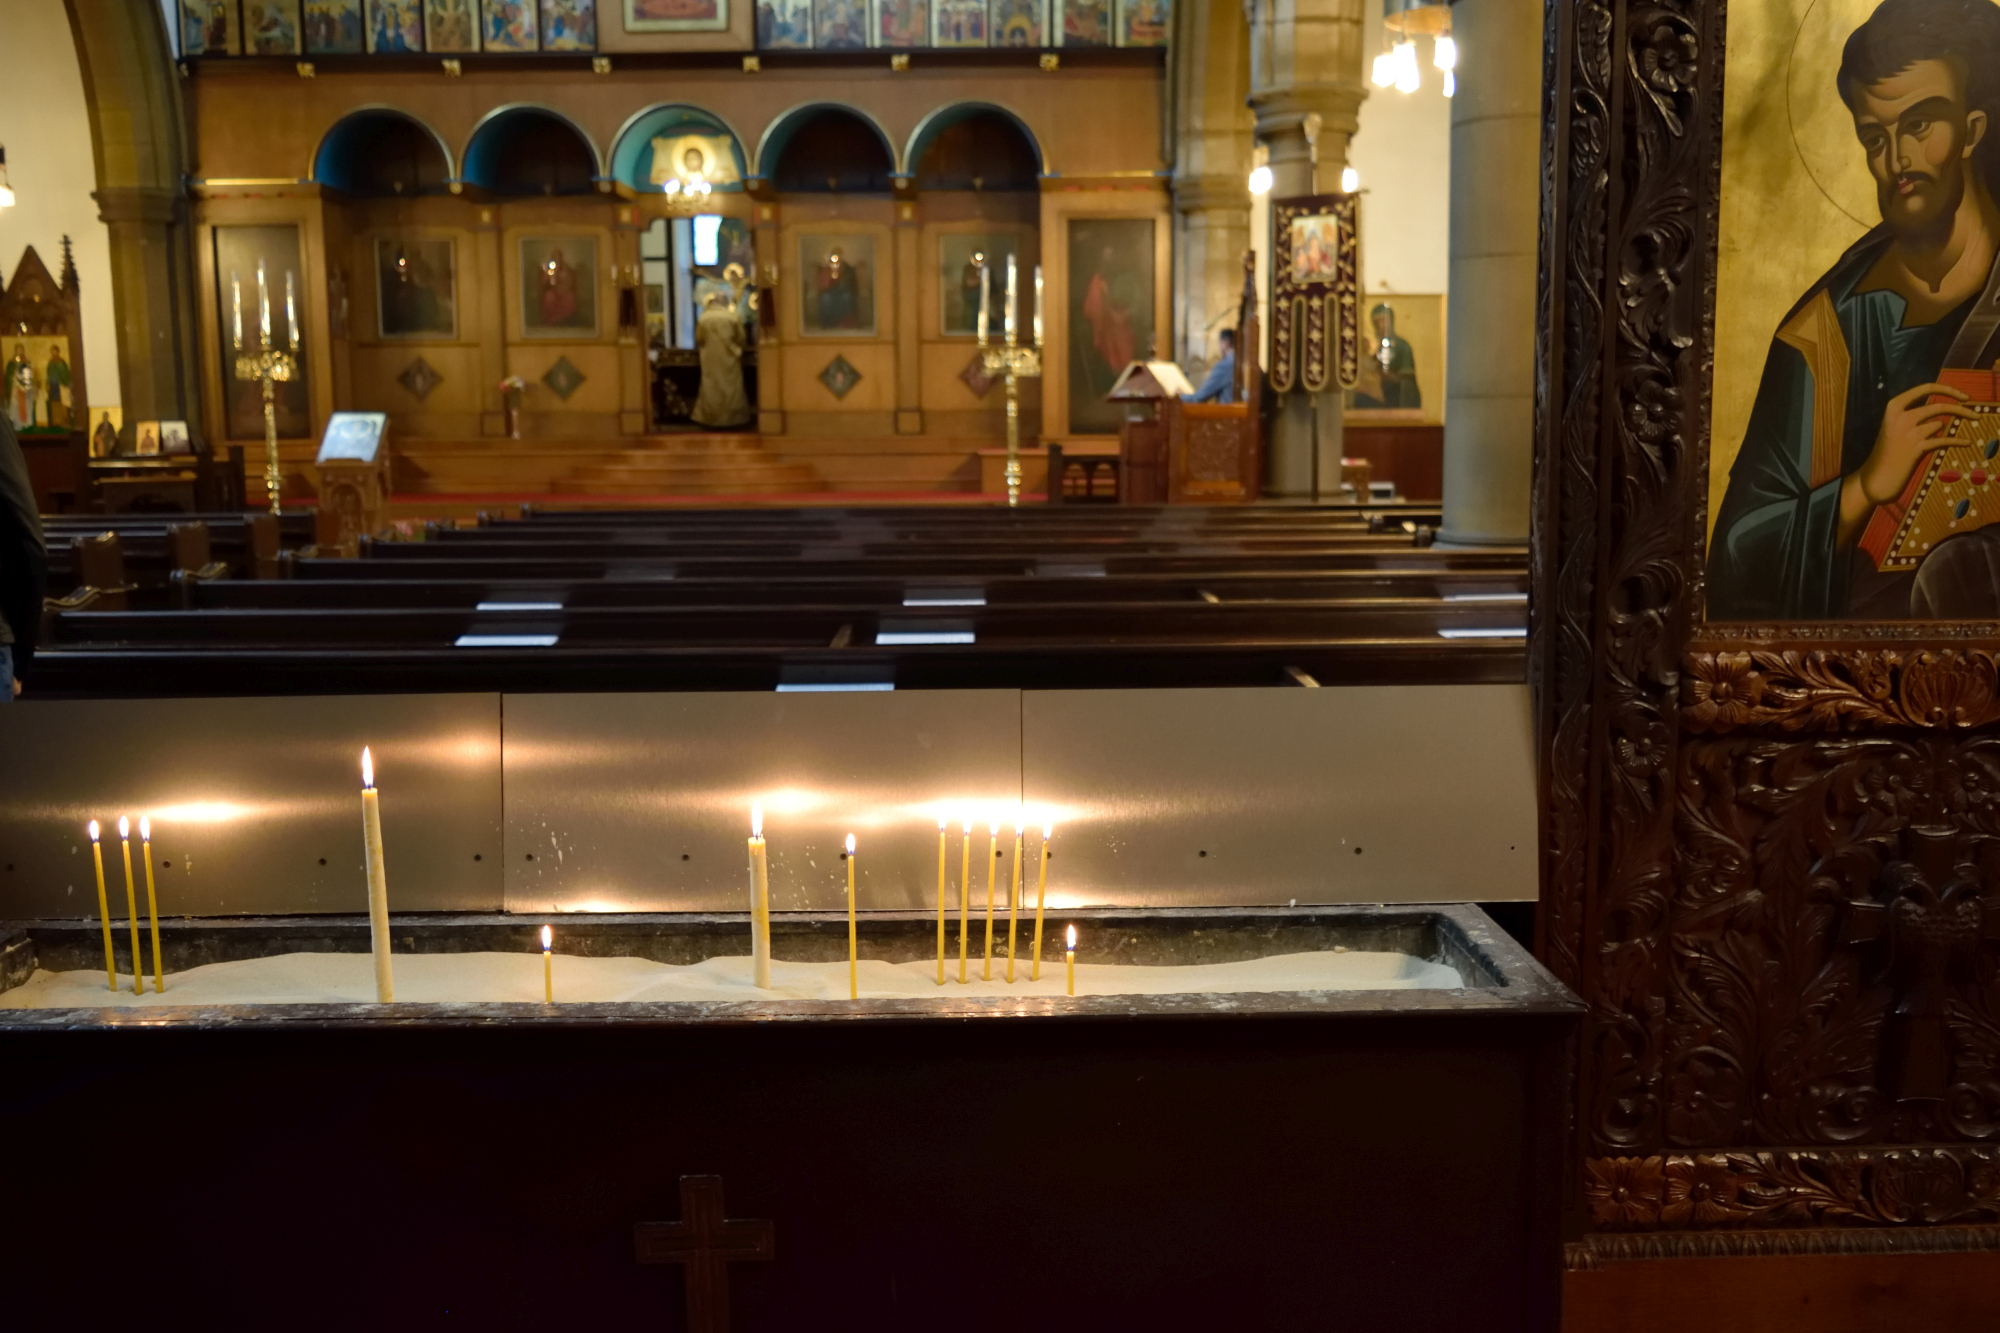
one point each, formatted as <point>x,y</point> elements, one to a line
<point>827,598</point>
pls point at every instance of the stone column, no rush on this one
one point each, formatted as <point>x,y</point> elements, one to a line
<point>1490,312</point>
<point>1212,129</point>
<point>1305,60</point>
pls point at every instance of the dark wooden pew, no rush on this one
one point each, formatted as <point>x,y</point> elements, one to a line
<point>1339,585</point>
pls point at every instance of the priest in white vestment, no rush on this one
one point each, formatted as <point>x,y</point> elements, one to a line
<point>719,336</point>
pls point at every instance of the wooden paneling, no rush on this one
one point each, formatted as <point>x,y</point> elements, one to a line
<point>1816,1293</point>
<point>1411,454</point>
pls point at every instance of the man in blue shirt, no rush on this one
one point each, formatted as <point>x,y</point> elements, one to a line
<point>1220,386</point>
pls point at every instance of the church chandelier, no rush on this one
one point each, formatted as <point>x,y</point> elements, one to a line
<point>1403,22</point>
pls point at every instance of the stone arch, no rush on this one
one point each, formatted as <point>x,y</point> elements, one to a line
<point>989,119</point>
<point>572,163</point>
<point>632,146</point>
<point>132,89</point>
<point>374,149</point>
<point>812,117</point>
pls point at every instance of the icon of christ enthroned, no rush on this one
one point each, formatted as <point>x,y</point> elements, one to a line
<point>1866,478</point>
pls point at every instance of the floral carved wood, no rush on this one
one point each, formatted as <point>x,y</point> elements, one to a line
<point>1771,856</point>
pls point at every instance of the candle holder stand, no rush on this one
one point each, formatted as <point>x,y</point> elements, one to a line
<point>1015,362</point>
<point>270,365</point>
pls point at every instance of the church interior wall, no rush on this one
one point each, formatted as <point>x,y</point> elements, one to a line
<point>1095,129</point>
<point>1062,204</point>
<point>45,127</point>
<point>1402,152</point>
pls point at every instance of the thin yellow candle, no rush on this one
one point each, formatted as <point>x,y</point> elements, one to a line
<point>548,966</point>
<point>378,880</point>
<point>760,902</point>
<point>964,897</point>
<point>1042,898</point>
<point>1070,953</point>
<point>941,834</point>
<point>152,898</point>
<point>1014,902</point>
<point>131,903</point>
<point>103,906</point>
<point>853,944</point>
<point>992,864</point>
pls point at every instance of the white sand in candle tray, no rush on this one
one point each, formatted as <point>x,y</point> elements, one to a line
<point>336,978</point>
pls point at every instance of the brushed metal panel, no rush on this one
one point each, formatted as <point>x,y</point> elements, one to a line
<point>255,802</point>
<point>641,802</point>
<point>1227,797</point>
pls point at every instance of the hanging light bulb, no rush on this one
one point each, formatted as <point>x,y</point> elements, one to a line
<point>1260,180</point>
<point>1350,180</point>
<point>1407,79</point>
<point>1385,70</point>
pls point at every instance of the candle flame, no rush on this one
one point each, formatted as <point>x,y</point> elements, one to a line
<point>943,820</point>
<point>145,829</point>
<point>1072,939</point>
<point>994,831</point>
<point>756,819</point>
<point>548,938</point>
<point>850,844</point>
<point>93,830</point>
<point>1020,824</point>
<point>1048,830</point>
<point>367,768</point>
<point>968,822</point>
<point>124,827</point>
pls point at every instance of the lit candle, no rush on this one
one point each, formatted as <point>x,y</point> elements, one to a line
<point>853,976</point>
<point>985,298</point>
<point>1038,305</point>
<point>291,313</point>
<point>1014,902</point>
<point>548,966</point>
<point>1007,313</point>
<point>263,305</point>
<point>964,896</point>
<point>941,832</point>
<point>131,902</point>
<point>378,882</point>
<point>236,304</point>
<point>1070,953</point>
<point>152,899</point>
<point>992,864</point>
<point>760,902</point>
<point>1041,898</point>
<point>103,907</point>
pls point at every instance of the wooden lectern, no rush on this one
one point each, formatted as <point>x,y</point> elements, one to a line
<point>353,480</point>
<point>1194,453</point>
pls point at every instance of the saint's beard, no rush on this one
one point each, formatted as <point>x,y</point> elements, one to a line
<point>1924,215</point>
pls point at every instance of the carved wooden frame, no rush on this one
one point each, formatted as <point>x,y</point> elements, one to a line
<point>1724,804</point>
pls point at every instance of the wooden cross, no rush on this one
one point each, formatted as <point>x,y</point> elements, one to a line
<point>707,1244</point>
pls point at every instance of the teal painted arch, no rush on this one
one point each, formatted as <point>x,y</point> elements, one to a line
<point>942,119</point>
<point>632,149</point>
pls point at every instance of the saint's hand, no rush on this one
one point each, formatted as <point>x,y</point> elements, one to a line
<point>1911,428</point>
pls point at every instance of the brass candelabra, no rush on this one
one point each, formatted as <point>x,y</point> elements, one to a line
<point>268,363</point>
<point>1016,362</point>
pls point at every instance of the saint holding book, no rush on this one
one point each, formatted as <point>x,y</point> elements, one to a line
<point>1857,392</point>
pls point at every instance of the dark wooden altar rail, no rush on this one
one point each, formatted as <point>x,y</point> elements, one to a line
<point>432,566</point>
<point>1399,619</point>
<point>916,517</point>
<point>876,592</point>
<point>233,671</point>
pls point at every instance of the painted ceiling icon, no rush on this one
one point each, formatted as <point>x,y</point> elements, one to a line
<point>563,378</point>
<point>840,377</point>
<point>420,377</point>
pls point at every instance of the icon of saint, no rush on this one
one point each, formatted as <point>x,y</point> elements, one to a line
<point>1850,404</point>
<point>837,293</point>
<point>557,297</point>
